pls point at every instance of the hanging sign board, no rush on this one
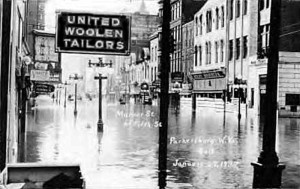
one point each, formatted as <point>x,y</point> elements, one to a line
<point>209,75</point>
<point>92,33</point>
<point>39,75</point>
<point>43,88</point>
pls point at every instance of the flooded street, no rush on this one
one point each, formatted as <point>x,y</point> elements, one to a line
<point>204,151</point>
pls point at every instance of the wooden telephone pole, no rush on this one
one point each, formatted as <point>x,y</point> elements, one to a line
<point>164,95</point>
<point>267,170</point>
<point>4,78</point>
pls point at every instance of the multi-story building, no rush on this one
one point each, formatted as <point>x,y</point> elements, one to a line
<point>289,58</point>
<point>182,12</point>
<point>187,56</point>
<point>35,19</point>
<point>154,58</point>
<point>222,47</point>
<point>231,52</point>
<point>210,40</point>
<point>153,63</point>
<point>133,70</point>
<point>14,79</point>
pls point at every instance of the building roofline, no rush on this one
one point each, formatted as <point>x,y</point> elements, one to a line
<point>153,35</point>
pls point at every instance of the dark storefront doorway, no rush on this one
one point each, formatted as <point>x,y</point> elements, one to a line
<point>262,95</point>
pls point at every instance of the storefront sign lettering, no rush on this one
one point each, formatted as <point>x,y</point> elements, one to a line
<point>93,33</point>
<point>209,75</point>
<point>39,75</point>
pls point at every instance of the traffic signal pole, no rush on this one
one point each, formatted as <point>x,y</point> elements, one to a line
<point>267,170</point>
<point>164,98</point>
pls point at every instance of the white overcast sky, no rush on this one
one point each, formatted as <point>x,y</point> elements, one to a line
<point>101,6</point>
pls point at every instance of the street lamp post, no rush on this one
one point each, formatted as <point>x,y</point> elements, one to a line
<point>58,93</point>
<point>238,80</point>
<point>56,96</point>
<point>75,107</point>
<point>76,78</point>
<point>65,102</point>
<point>100,121</point>
<point>100,77</point>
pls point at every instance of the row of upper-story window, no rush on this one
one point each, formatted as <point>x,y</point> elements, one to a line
<point>176,59</point>
<point>175,10</point>
<point>235,7</point>
<point>208,19</point>
<point>176,33</point>
<point>219,16</point>
<point>219,51</point>
<point>188,38</point>
<point>236,50</point>
<point>207,51</point>
<point>153,54</point>
<point>264,4</point>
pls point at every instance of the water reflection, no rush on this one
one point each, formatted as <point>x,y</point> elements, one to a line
<point>126,154</point>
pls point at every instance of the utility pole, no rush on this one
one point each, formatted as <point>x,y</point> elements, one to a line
<point>267,170</point>
<point>194,102</point>
<point>4,78</point>
<point>164,104</point>
<point>227,12</point>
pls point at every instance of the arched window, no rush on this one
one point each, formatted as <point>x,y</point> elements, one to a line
<point>200,24</point>
<point>208,21</point>
<point>206,53</point>
<point>231,10</point>
<point>230,49</point>
<point>245,46</point>
<point>196,55</point>
<point>222,16</point>
<point>209,52</point>
<point>172,13</point>
<point>196,26</point>
<point>216,52</point>
<point>245,8</point>
<point>222,51</point>
<point>217,18</point>
<point>200,55</point>
<point>238,8</point>
<point>261,4</point>
<point>237,48</point>
<point>151,74</point>
<point>176,11</point>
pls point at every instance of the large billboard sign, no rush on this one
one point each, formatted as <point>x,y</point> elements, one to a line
<point>93,33</point>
